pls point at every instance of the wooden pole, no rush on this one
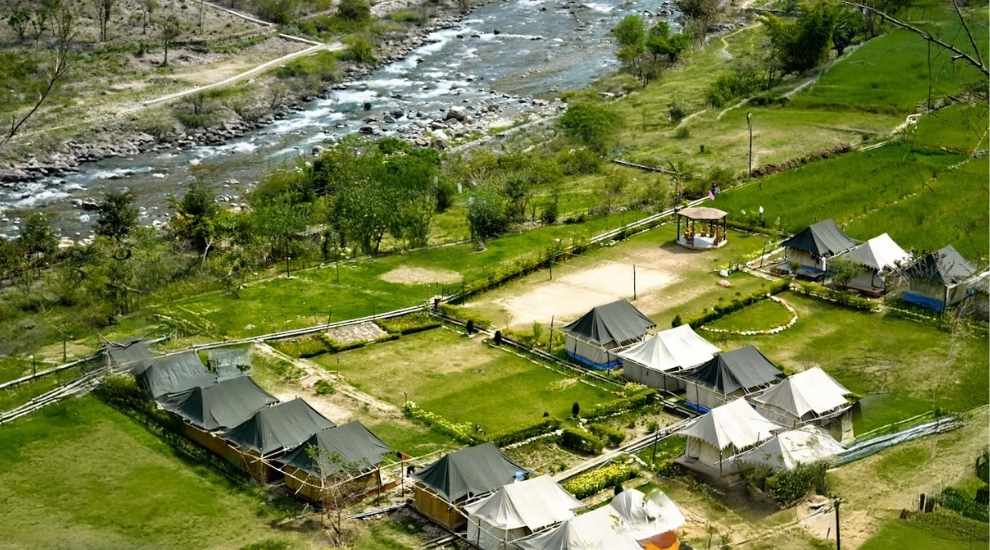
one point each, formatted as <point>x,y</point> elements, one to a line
<point>838,533</point>
<point>634,282</point>
<point>550,338</point>
<point>749,124</point>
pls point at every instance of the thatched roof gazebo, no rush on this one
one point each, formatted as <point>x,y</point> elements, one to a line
<point>704,227</point>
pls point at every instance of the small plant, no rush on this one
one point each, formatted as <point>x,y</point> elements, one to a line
<point>324,387</point>
<point>576,410</point>
<point>682,133</point>
<point>676,322</point>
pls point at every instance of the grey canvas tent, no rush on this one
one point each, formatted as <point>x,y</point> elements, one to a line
<point>460,476</point>
<point>875,259</point>
<point>173,374</point>
<point>810,396</point>
<point>811,247</point>
<point>728,375</point>
<point>937,280</point>
<point>229,362</point>
<point>220,406</point>
<point>132,355</point>
<point>278,429</point>
<point>349,446</point>
<point>592,338</point>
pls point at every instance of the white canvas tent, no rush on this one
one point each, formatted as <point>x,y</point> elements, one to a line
<point>810,396</point>
<point>722,433</point>
<point>787,450</point>
<point>877,257</point>
<point>517,510</point>
<point>646,517</point>
<point>595,530</point>
<point>651,361</point>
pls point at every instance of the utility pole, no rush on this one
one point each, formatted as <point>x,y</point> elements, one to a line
<point>634,282</point>
<point>838,533</point>
<point>749,124</point>
<point>550,338</point>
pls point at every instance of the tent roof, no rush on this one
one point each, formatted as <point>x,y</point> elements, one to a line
<point>617,322</point>
<point>789,449</point>
<point>220,406</point>
<point>821,239</point>
<point>595,530</point>
<point>280,428</point>
<point>672,349</point>
<point>879,253</point>
<point>734,424</point>
<point>350,446</point>
<point>740,369</point>
<point>702,213</point>
<point>471,471</point>
<point>173,374</point>
<point>945,265</point>
<point>133,355</point>
<point>645,516</point>
<point>810,391</point>
<point>534,503</point>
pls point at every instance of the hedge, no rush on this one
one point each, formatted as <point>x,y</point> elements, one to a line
<point>546,426</point>
<point>302,346</point>
<point>581,441</point>
<point>641,399</point>
<point>954,499</point>
<point>719,311</point>
<point>608,433</point>
<point>596,481</point>
<point>409,324</point>
<point>465,432</point>
<point>789,486</point>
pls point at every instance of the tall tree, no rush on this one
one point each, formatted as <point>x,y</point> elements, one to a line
<point>104,11</point>
<point>169,29</point>
<point>116,215</point>
<point>195,217</point>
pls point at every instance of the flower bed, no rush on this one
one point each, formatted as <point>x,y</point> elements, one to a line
<point>595,481</point>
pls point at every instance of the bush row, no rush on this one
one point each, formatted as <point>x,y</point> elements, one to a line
<point>612,436</point>
<point>581,441</point>
<point>465,432</point>
<point>789,486</point>
<point>595,481</point>
<point>839,297</point>
<point>641,398</point>
<point>408,324</point>
<point>718,311</point>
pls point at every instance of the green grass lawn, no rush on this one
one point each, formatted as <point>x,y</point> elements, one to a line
<point>81,475</point>
<point>464,380</point>
<point>762,315</point>
<point>897,534</point>
<point>901,368</point>
<point>22,393</point>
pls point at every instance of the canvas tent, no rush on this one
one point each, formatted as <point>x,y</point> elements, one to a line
<point>787,450</point>
<point>459,476</point>
<point>716,437</point>
<point>132,355</point>
<point>811,247</point>
<point>229,362</point>
<point>595,530</point>
<point>652,520</point>
<point>594,338</point>
<point>173,374</point>
<point>350,447</point>
<point>938,279</point>
<point>517,510</point>
<point>810,396</point>
<point>727,375</point>
<point>219,406</point>
<point>876,258</point>
<point>653,361</point>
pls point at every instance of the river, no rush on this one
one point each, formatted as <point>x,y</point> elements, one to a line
<point>502,52</point>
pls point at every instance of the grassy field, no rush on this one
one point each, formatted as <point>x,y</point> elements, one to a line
<point>762,315</point>
<point>899,367</point>
<point>464,380</point>
<point>83,475</point>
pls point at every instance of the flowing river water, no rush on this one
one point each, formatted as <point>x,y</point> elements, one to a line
<point>504,52</point>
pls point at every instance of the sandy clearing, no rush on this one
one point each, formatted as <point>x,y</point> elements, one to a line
<point>362,332</point>
<point>571,295</point>
<point>407,275</point>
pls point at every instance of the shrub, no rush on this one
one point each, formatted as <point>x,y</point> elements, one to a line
<point>546,426</point>
<point>954,499</point>
<point>324,387</point>
<point>682,133</point>
<point>408,324</point>
<point>581,441</point>
<point>676,112</point>
<point>738,83</point>
<point>592,124</point>
<point>465,432</point>
<point>322,66</point>
<point>359,49</point>
<point>790,486</point>
<point>302,346</point>
<point>676,321</point>
<point>579,161</point>
<point>613,436</point>
<point>596,481</point>
<point>354,10</point>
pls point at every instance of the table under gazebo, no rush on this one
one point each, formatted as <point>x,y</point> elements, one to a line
<point>704,227</point>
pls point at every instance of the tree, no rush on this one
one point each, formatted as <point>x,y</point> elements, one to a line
<point>354,10</point>
<point>486,214</point>
<point>104,10</point>
<point>18,20</point>
<point>592,124</point>
<point>517,192</point>
<point>802,44</point>
<point>38,240</point>
<point>116,215</point>
<point>148,8</point>
<point>169,29</point>
<point>662,43</point>
<point>278,223</point>
<point>63,28</point>
<point>702,14</point>
<point>195,217</point>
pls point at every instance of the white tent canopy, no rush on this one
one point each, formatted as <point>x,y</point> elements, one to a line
<point>517,509</point>
<point>735,424</point>
<point>645,517</point>
<point>594,530</point>
<point>879,253</point>
<point>789,449</point>
<point>811,391</point>
<point>672,349</point>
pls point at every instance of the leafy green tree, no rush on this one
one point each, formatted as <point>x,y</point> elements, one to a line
<point>517,191</point>
<point>38,240</point>
<point>169,28</point>
<point>487,214</point>
<point>278,223</point>
<point>354,10</point>
<point>195,217</point>
<point>116,215</point>
<point>662,43</point>
<point>592,124</point>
